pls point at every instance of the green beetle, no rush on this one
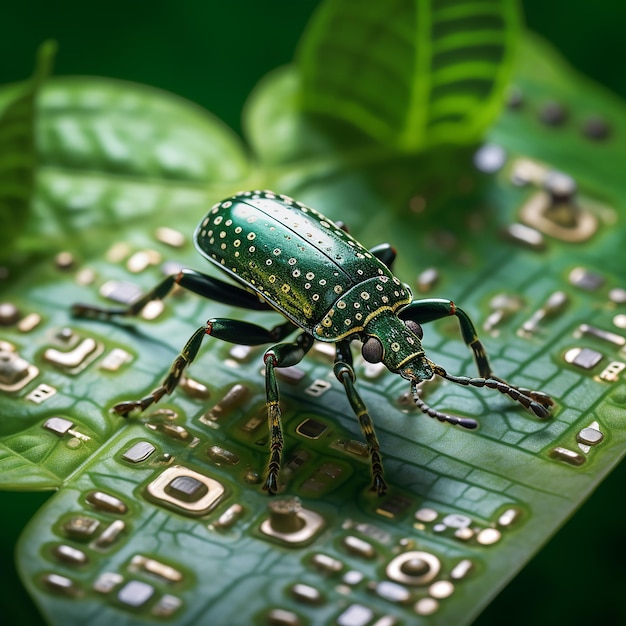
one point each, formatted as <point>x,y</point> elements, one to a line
<point>287,257</point>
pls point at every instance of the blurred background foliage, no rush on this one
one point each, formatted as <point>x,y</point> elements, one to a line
<point>213,53</point>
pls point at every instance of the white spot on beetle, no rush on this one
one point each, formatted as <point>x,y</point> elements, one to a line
<point>218,220</point>
<point>251,236</point>
<point>227,204</point>
<point>292,261</point>
<point>276,251</point>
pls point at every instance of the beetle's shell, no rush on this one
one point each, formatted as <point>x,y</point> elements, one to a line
<point>300,262</point>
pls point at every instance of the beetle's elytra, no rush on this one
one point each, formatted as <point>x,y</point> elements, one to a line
<point>288,257</point>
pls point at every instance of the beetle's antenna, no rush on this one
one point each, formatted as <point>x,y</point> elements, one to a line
<point>536,401</point>
<point>465,422</point>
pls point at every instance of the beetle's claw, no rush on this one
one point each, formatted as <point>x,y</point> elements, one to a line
<point>541,410</point>
<point>379,485</point>
<point>271,484</point>
<point>124,408</point>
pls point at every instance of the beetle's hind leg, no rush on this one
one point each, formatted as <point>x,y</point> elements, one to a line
<point>280,355</point>
<point>199,283</point>
<point>345,374</point>
<point>220,328</point>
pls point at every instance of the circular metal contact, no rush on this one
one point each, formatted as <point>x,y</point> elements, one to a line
<point>414,568</point>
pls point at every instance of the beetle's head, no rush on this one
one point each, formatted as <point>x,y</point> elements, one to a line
<point>398,345</point>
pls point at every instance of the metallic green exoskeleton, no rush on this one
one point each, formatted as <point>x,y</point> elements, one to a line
<point>288,257</point>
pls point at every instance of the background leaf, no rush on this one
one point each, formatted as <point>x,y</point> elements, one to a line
<point>411,73</point>
<point>130,150</point>
<point>17,151</point>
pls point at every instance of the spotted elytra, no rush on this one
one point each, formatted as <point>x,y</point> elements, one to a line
<point>285,256</point>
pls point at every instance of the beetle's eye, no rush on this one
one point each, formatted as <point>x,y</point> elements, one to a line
<point>372,350</point>
<point>414,327</point>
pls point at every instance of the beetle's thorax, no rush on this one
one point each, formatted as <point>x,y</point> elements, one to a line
<point>402,349</point>
<point>381,295</point>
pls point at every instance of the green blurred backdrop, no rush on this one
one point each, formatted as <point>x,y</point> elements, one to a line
<point>213,53</point>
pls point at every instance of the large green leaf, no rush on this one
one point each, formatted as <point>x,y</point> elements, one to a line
<point>384,196</point>
<point>411,73</point>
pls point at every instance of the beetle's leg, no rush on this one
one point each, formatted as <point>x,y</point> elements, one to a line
<point>220,328</point>
<point>384,253</point>
<point>430,309</point>
<point>345,374</point>
<point>203,285</point>
<point>280,355</point>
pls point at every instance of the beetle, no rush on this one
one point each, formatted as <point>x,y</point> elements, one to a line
<point>284,256</point>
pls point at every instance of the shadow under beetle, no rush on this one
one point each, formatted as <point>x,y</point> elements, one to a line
<point>289,258</point>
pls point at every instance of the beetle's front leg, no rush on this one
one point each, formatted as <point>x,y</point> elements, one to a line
<point>220,328</point>
<point>345,374</point>
<point>280,355</point>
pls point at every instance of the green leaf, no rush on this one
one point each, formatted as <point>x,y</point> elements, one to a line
<point>410,73</point>
<point>112,153</point>
<point>17,151</point>
<point>505,465</point>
